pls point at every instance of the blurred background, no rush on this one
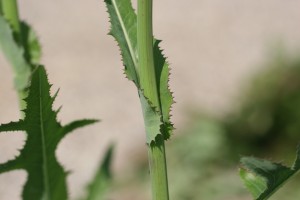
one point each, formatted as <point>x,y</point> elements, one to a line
<point>235,76</point>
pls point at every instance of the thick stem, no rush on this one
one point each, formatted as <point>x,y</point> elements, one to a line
<point>156,150</point>
<point>158,169</point>
<point>145,51</point>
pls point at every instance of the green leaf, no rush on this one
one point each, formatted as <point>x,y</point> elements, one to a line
<point>165,95</point>
<point>15,55</point>
<point>152,119</point>
<point>124,29</point>
<point>46,177</point>
<point>263,178</point>
<point>98,187</point>
<point>31,44</point>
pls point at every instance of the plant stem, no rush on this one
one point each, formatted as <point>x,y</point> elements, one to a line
<point>145,51</point>
<point>156,150</point>
<point>9,9</point>
<point>11,14</point>
<point>158,169</point>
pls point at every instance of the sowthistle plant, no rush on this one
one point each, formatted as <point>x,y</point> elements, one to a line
<point>46,177</point>
<point>148,69</point>
<point>146,66</point>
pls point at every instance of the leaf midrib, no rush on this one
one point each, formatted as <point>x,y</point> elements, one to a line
<point>125,34</point>
<point>45,167</point>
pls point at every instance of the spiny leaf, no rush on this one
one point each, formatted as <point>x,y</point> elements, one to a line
<point>263,178</point>
<point>102,179</point>
<point>46,177</point>
<point>15,55</point>
<point>124,30</point>
<point>31,44</point>
<point>23,51</point>
<point>165,95</point>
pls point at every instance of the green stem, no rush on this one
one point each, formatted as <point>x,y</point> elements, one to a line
<point>145,51</point>
<point>156,150</point>
<point>9,9</point>
<point>158,169</point>
<point>11,14</point>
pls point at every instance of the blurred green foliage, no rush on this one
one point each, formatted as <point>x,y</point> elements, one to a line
<point>268,119</point>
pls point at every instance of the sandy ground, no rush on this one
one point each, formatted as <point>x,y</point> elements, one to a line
<point>212,45</point>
